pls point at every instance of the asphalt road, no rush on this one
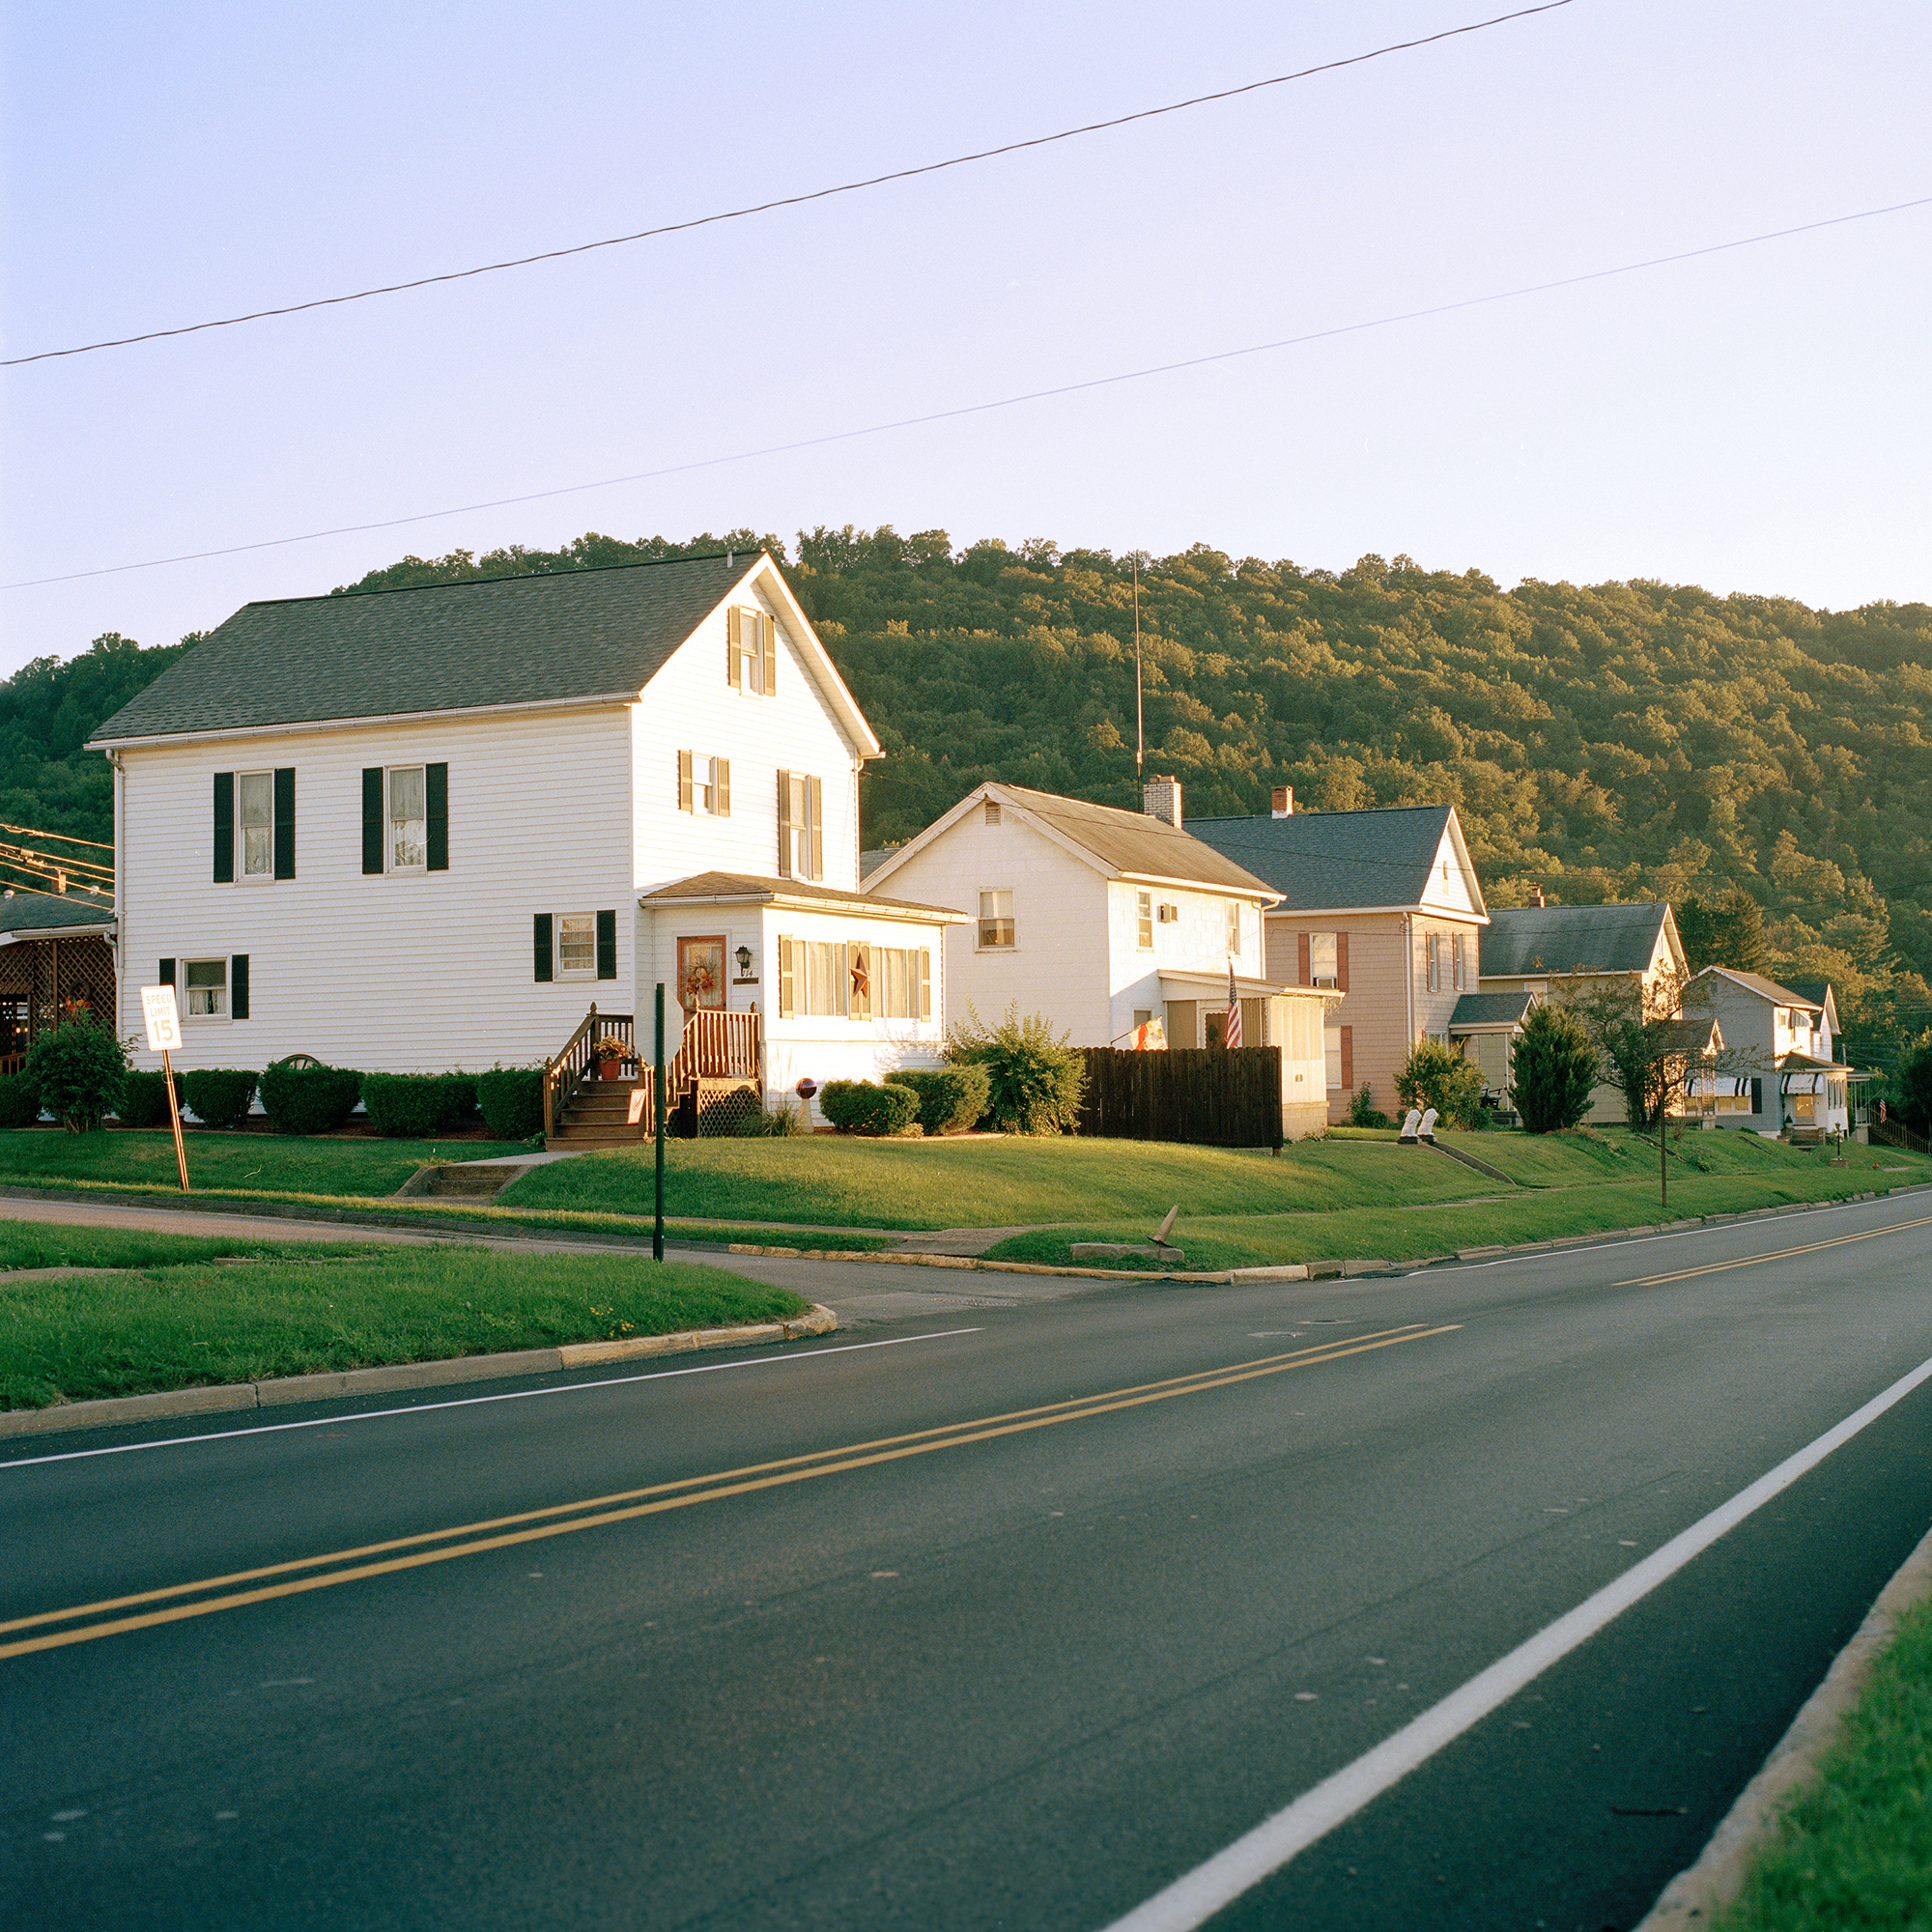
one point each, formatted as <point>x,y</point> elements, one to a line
<point>984,1616</point>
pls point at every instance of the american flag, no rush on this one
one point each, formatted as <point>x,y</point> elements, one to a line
<point>1232,1033</point>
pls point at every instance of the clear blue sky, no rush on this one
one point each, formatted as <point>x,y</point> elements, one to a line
<point>1758,422</point>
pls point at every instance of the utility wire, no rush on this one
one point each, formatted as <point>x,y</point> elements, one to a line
<point>797,200</point>
<point>979,409</point>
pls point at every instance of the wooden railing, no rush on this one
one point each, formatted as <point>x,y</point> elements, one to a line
<point>564,1074</point>
<point>1895,1133</point>
<point>11,1064</point>
<point>717,1045</point>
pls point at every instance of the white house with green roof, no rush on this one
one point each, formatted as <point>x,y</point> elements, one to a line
<point>426,829</point>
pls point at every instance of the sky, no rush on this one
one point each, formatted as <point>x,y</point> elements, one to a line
<point>1755,420</point>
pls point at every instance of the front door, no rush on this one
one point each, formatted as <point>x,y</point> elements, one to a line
<point>700,972</point>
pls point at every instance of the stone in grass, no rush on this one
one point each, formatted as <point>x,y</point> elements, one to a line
<point>1118,1251</point>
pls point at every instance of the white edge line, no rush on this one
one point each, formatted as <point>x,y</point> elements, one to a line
<point>475,1401</point>
<point>1194,1899</point>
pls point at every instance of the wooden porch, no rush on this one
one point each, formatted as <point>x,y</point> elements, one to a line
<point>599,1092</point>
<point>43,980</point>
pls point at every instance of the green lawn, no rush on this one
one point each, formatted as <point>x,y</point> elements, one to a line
<point>47,1244</point>
<point>187,1325</point>
<point>1855,1850</point>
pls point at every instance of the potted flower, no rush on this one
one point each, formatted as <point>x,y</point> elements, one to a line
<point>607,1056</point>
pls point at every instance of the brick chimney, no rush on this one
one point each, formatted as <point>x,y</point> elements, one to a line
<point>1161,798</point>
<point>1536,895</point>
<point>1284,800</point>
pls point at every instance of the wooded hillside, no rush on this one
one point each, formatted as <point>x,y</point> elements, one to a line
<point>1615,740</point>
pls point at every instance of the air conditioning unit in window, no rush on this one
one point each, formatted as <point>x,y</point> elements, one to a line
<point>1325,979</point>
<point>1167,914</point>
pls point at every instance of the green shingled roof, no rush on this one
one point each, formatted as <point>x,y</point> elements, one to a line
<point>440,648</point>
<point>27,912</point>
<point>1571,939</point>
<point>1322,859</point>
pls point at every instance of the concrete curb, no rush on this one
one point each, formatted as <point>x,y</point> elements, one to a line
<point>117,1410</point>
<point>1695,1897</point>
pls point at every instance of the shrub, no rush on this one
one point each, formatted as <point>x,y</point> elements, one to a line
<point>1432,1076</point>
<point>778,1123</point>
<point>1555,1068</point>
<point>412,1106</point>
<point>511,1098</point>
<point>20,1101</point>
<point>951,1100</point>
<point>309,1099</point>
<point>858,1107</point>
<point>144,1100</point>
<point>463,1094</point>
<point>79,1071</point>
<point>1036,1080</point>
<point>218,1096</point>
<point>1912,1083</point>
<point>1363,1113</point>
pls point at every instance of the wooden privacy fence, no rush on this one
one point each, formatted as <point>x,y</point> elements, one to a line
<point>1212,1096</point>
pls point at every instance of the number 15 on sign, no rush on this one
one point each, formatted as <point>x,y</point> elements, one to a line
<point>164,1036</point>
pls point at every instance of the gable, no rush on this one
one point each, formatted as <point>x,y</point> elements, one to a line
<point>1452,880</point>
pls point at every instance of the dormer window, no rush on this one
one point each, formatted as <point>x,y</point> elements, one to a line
<point>750,651</point>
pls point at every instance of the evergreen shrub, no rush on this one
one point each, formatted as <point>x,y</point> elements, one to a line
<point>1556,1067</point>
<point>144,1100</point>
<point>858,1107</point>
<point>511,1098</point>
<point>309,1099</point>
<point>20,1101</point>
<point>413,1107</point>
<point>951,1100</point>
<point>217,1097</point>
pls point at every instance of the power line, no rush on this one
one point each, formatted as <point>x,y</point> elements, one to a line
<point>795,200</point>
<point>974,409</point>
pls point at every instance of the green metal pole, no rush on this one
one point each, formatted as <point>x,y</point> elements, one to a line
<point>658,1115</point>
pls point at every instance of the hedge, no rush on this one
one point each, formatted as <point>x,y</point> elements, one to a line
<point>951,1099</point>
<point>511,1098</point>
<point>144,1100</point>
<point>309,1099</point>
<point>858,1107</point>
<point>412,1106</point>
<point>20,1101</point>
<point>218,1096</point>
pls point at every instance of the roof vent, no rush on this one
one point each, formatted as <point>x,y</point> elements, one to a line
<point>1284,800</point>
<point>1161,798</point>
<point>992,811</point>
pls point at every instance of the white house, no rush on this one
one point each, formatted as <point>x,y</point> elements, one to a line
<point>1780,1074</point>
<point>425,829</point>
<point>1104,920</point>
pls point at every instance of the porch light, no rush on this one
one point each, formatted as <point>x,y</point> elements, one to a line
<point>744,958</point>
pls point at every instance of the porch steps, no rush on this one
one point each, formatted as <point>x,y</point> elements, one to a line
<point>603,1112</point>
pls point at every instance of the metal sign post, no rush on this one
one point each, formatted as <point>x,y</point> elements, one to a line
<point>658,1115</point>
<point>163,1022</point>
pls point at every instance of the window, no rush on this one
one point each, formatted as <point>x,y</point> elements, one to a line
<point>577,946</point>
<point>902,982</point>
<point>407,848</point>
<point>1434,969</point>
<point>1331,1049</point>
<point>405,818</point>
<point>704,784</point>
<point>995,919</point>
<point>801,827</point>
<point>1144,929</point>
<point>750,651</point>
<point>1321,959</point>
<point>256,798</point>
<point>1234,926</point>
<point>207,989</point>
<point>1456,953</point>
<point>825,976</point>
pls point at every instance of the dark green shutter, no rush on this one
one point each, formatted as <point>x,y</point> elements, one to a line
<point>237,986</point>
<point>285,821</point>
<point>543,946</point>
<point>165,975</point>
<point>436,798</point>
<point>224,827</point>
<point>372,818</point>
<point>606,945</point>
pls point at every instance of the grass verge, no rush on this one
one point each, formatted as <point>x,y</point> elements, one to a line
<point>189,1325</point>
<point>1855,1850</point>
<point>46,1244</point>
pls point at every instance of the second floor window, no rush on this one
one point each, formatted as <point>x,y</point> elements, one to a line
<point>405,818</point>
<point>409,820</point>
<point>1234,926</point>
<point>1434,968</point>
<point>1456,959</point>
<point>801,826</point>
<point>255,798</point>
<point>1144,922</point>
<point>1323,969</point>
<point>995,919</point>
<point>704,784</point>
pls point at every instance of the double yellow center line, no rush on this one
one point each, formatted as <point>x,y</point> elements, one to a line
<point>114,1615</point>
<point>1776,1255</point>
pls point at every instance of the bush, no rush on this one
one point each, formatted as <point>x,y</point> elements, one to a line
<point>1912,1083</point>
<point>309,1099</point>
<point>1036,1079</point>
<point>511,1098</point>
<point>79,1071</point>
<point>858,1107</point>
<point>463,1092</point>
<point>1432,1076</point>
<point>144,1100</point>
<point>412,1106</point>
<point>778,1123</point>
<point>951,1100</point>
<point>218,1096</point>
<point>1555,1068</point>
<point>20,1101</point>
<point>1363,1113</point>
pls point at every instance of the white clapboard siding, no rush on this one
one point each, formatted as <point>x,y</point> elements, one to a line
<point>419,971</point>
